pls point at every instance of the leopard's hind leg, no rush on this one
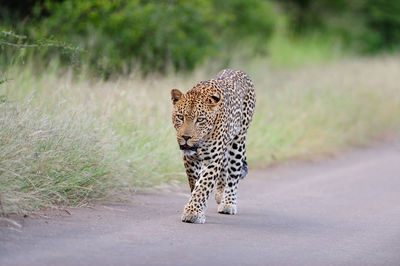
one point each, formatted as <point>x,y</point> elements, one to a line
<point>236,169</point>
<point>221,181</point>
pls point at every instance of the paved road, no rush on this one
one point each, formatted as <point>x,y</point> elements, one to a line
<point>341,211</point>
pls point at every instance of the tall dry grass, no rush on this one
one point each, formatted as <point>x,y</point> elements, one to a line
<point>323,108</point>
<point>48,160</point>
<point>118,134</point>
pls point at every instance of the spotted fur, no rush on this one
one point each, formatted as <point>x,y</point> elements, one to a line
<point>211,121</point>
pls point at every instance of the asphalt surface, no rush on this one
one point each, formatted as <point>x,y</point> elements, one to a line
<point>339,211</point>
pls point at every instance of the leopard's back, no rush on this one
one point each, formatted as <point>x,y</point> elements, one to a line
<point>239,94</point>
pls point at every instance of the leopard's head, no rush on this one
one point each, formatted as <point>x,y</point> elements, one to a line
<point>194,115</point>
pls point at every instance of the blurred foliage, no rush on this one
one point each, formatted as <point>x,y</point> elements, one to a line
<point>368,26</point>
<point>383,20</point>
<point>115,33</point>
<point>121,35</point>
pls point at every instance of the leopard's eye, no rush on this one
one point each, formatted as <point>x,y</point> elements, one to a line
<point>180,117</point>
<point>200,119</point>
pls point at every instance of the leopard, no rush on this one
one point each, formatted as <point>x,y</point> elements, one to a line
<point>211,122</point>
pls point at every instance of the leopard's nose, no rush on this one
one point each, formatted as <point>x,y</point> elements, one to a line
<point>186,137</point>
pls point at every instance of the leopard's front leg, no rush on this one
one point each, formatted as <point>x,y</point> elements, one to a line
<point>192,166</point>
<point>194,211</point>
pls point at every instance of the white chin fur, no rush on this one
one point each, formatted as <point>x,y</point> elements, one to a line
<point>188,152</point>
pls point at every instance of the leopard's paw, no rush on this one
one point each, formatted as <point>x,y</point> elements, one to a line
<point>227,209</point>
<point>195,218</point>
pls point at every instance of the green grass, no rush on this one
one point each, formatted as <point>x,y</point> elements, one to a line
<point>67,139</point>
<point>296,52</point>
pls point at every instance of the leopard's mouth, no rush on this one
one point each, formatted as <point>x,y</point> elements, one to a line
<point>186,147</point>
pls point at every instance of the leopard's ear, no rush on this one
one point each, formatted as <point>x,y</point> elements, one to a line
<point>175,95</point>
<point>214,100</point>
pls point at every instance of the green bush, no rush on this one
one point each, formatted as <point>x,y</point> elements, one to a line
<point>120,35</point>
